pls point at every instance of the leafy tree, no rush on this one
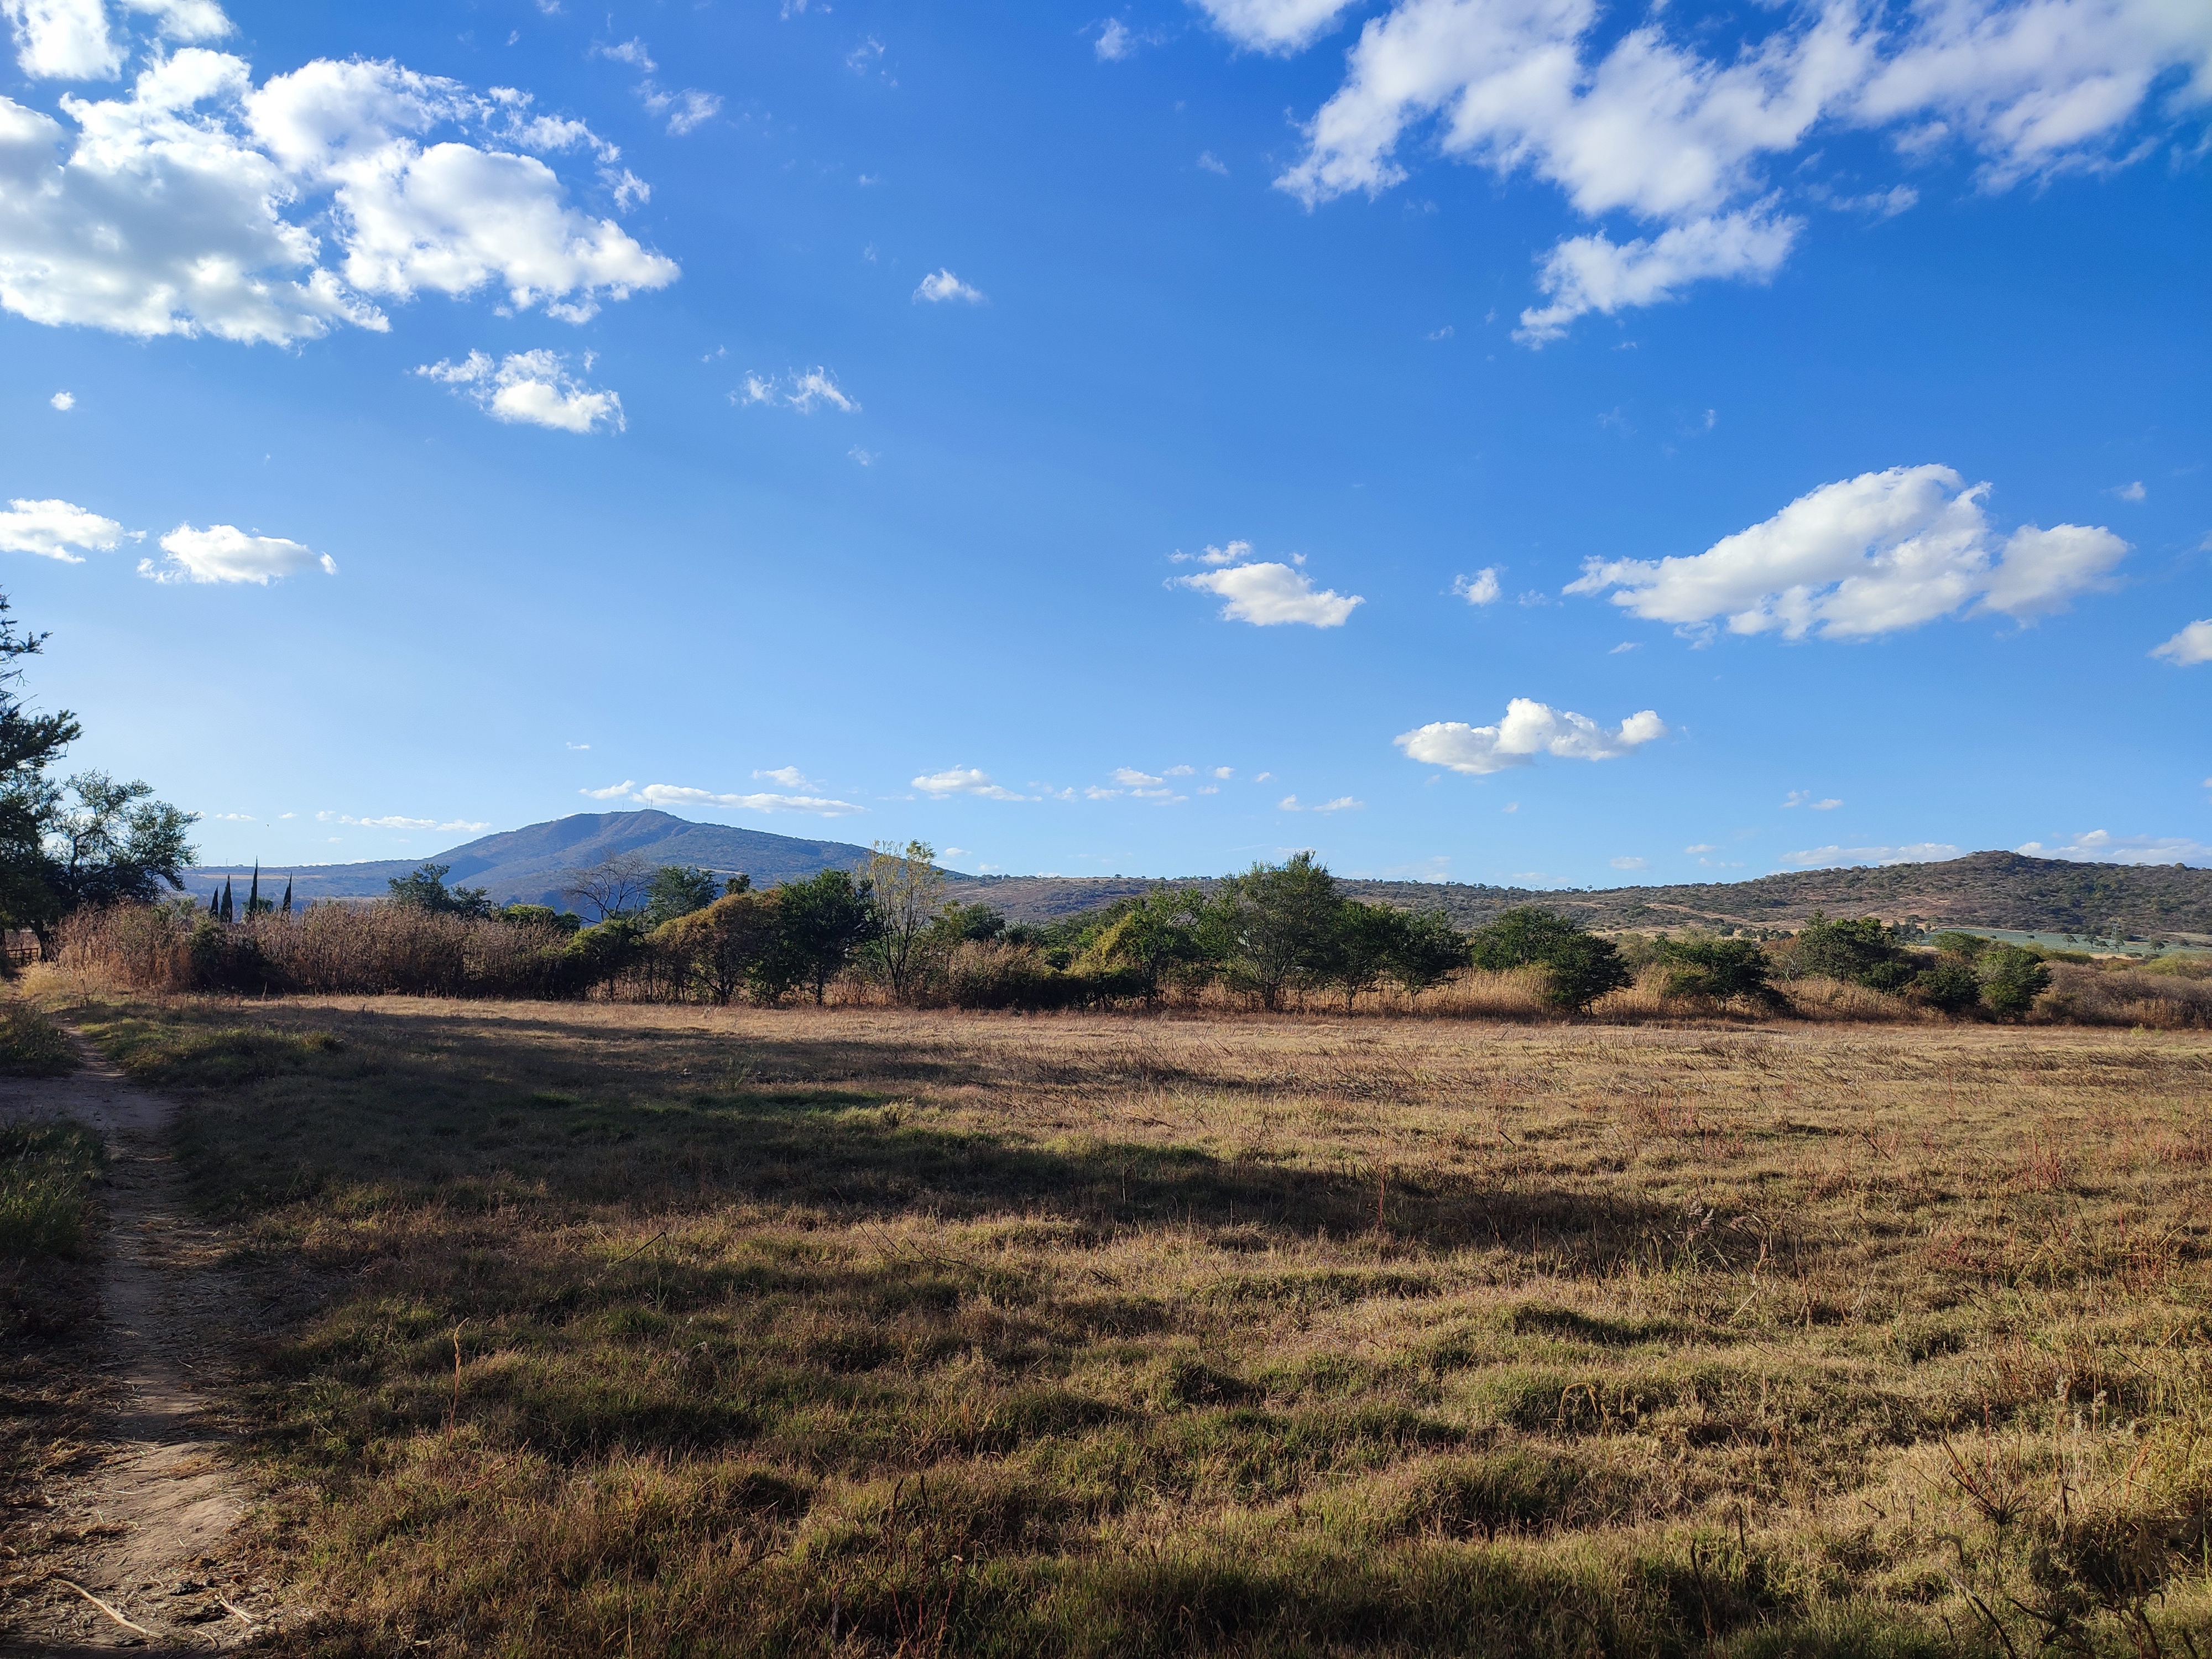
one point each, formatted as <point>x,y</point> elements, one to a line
<point>614,887</point>
<point>1581,969</point>
<point>1965,946</point>
<point>1275,925</point>
<point>717,946</point>
<point>2011,979</point>
<point>424,888</point>
<point>1952,985</point>
<point>820,923</point>
<point>1526,936</point>
<point>1699,965</point>
<point>1157,936</point>
<point>1366,941</point>
<point>908,891</point>
<point>1579,966</point>
<point>1859,952</point>
<point>677,890</point>
<point>1429,950</point>
<point>110,843</point>
<point>540,916</point>
<point>963,922</point>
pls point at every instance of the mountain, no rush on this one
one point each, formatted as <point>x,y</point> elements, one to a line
<point>1983,890</point>
<point>526,866</point>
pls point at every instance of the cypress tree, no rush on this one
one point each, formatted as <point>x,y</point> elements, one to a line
<point>227,915</point>
<point>288,896</point>
<point>254,893</point>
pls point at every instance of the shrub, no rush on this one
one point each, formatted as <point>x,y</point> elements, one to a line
<point>2011,979</point>
<point>1952,985</point>
<point>1700,965</point>
<point>1579,966</point>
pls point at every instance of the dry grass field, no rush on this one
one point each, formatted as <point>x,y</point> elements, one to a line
<point>655,1330</point>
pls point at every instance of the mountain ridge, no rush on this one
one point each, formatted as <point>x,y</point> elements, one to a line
<point>1980,890</point>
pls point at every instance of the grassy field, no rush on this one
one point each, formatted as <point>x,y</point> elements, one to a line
<point>659,1330</point>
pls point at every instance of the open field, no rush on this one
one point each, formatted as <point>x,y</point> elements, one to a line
<point>592,1328</point>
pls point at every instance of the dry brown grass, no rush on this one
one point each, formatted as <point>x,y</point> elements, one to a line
<point>671,1330</point>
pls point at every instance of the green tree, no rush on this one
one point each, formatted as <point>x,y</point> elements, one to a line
<point>1581,969</point>
<point>1429,950</point>
<point>1153,939</point>
<point>820,923</point>
<point>111,843</point>
<point>1366,939</point>
<point>1858,953</point>
<point>540,916</point>
<point>1526,936</point>
<point>908,893</point>
<point>1275,924</point>
<point>424,888</point>
<point>1699,965</point>
<point>717,946</point>
<point>2011,979</point>
<point>1952,985</point>
<point>677,890</point>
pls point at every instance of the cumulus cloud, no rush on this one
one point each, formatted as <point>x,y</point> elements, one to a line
<point>2101,847</point>
<point>687,111</point>
<point>669,795</point>
<point>50,528</point>
<point>1274,25</point>
<point>1341,804</point>
<point>533,388</point>
<point>964,781</point>
<point>224,553</point>
<point>790,777</point>
<point>1265,594</point>
<point>942,285</point>
<point>63,401</point>
<point>2193,644</point>
<point>185,207</point>
<point>1921,852</point>
<point>1649,124</point>
<point>1629,863</point>
<point>75,40</point>
<point>1870,555</point>
<point>1480,588</point>
<point>612,792</point>
<point>1529,728</point>
<point>1804,797</point>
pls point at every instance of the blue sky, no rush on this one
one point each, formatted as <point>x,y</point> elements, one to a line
<point>1752,438</point>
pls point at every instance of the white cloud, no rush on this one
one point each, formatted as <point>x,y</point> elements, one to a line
<point>1182,771</point>
<point>50,528</point>
<point>74,39</point>
<point>942,285</point>
<point>1273,25</point>
<point>398,821</point>
<point>531,387</point>
<point>612,792</point>
<point>1209,162</point>
<point>187,206</point>
<point>2099,846</point>
<point>2193,644</point>
<point>687,111</point>
<point>1529,729</point>
<point>1341,804</point>
<point>1923,852</point>
<point>1629,863</point>
<point>790,777</point>
<point>964,781</point>
<point>865,456</point>
<point>1224,771</point>
<point>1647,123</point>
<point>2131,492</point>
<point>1870,555</point>
<point>224,553</point>
<point>1114,42</point>
<point>1266,593</point>
<point>802,389</point>
<point>63,401</point>
<point>669,794</point>
<point>1584,273</point>
<point>1804,797</point>
<point>1480,588</point>
<point>631,52</point>
<point>1702,846</point>
<point>1129,778</point>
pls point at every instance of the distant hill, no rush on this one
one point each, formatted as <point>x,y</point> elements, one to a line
<point>1983,890</point>
<point>526,867</point>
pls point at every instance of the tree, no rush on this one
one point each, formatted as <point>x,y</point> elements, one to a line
<point>1429,950</point>
<point>616,886</point>
<point>1362,946</point>
<point>820,923</point>
<point>1276,922</point>
<point>717,946</point>
<point>908,892</point>
<point>424,888</point>
<point>110,843</point>
<point>1581,969</point>
<point>1859,952</point>
<point>1526,936</point>
<point>1150,938</point>
<point>2011,979</point>
<point>1952,985</point>
<point>677,890</point>
<point>1700,965</point>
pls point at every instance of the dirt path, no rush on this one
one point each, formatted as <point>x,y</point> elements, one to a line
<point>144,1521</point>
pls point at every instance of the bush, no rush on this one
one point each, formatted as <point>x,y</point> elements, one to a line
<point>1952,985</point>
<point>1700,965</point>
<point>1579,966</point>
<point>2011,979</point>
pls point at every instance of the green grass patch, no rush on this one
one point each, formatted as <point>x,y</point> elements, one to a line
<point>47,1175</point>
<point>31,1045</point>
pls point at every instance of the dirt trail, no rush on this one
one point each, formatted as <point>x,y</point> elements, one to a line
<point>153,1505</point>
